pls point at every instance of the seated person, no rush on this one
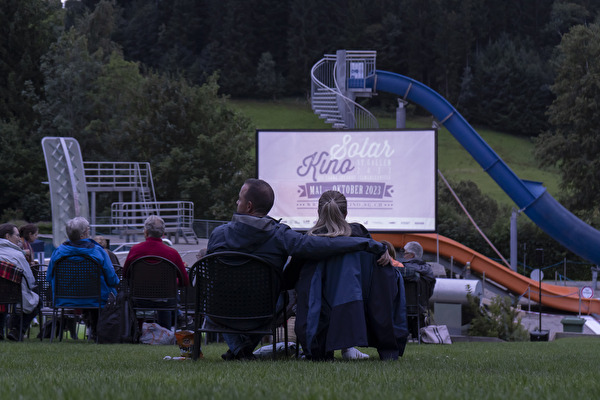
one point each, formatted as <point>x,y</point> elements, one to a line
<point>154,230</point>
<point>252,231</point>
<point>413,262</point>
<point>418,271</point>
<point>347,300</point>
<point>29,234</point>
<point>11,253</point>
<point>113,257</point>
<point>392,251</point>
<point>79,243</point>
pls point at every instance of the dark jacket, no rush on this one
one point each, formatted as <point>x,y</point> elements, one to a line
<point>274,242</point>
<point>348,300</point>
<point>418,270</point>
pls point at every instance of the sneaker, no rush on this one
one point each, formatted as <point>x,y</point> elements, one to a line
<point>35,322</point>
<point>353,354</point>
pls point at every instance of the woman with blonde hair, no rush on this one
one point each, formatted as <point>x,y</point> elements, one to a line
<point>347,300</point>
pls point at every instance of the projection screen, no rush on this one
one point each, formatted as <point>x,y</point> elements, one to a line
<point>387,176</point>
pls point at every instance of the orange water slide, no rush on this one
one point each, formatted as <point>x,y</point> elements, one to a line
<point>559,297</point>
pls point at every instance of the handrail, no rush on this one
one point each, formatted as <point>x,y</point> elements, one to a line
<point>361,117</point>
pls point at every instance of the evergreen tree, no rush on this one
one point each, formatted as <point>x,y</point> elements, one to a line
<point>509,90</point>
<point>573,140</point>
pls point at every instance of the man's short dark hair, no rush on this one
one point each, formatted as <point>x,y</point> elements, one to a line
<point>261,194</point>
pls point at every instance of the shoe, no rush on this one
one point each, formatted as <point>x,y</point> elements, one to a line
<point>13,335</point>
<point>185,322</point>
<point>35,322</point>
<point>245,355</point>
<point>228,356</point>
<point>353,354</point>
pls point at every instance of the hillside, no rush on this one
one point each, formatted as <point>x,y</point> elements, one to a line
<point>453,161</point>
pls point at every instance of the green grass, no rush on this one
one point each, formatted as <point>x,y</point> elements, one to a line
<point>553,370</point>
<point>453,160</point>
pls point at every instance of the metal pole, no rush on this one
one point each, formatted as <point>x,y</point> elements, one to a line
<point>513,239</point>
<point>540,253</point>
<point>483,284</point>
<point>401,114</point>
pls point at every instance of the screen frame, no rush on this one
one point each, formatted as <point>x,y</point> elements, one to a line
<point>371,229</point>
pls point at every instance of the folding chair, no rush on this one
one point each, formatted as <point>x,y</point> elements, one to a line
<point>10,290</point>
<point>152,285</point>
<point>238,292</point>
<point>76,278</point>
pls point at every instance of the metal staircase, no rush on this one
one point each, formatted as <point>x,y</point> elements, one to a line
<point>128,217</point>
<point>336,81</point>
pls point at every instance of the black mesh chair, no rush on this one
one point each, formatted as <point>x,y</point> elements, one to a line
<point>10,290</point>
<point>76,278</point>
<point>238,292</point>
<point>70,316</point>
<point>417,301</point>
<point>152,284</point>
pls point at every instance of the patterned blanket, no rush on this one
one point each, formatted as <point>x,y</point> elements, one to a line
<point>12,273</point>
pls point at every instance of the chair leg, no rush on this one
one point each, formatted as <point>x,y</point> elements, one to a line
<point>21,327</point>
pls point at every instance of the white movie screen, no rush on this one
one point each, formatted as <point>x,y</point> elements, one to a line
<point>387,176</point>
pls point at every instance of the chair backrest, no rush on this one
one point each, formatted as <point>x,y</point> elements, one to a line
<point>44,287</point>
<point>77,277</point>
<point>152,278</point>
<point>10,283</point>
<point>412,296</point>
<point>236,286</point>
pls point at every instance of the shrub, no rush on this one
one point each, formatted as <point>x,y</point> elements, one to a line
<point>500,319</point>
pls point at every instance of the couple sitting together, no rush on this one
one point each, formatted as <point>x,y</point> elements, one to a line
<point>348,293</point>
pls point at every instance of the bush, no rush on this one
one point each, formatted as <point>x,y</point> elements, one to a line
<point>500,319</point>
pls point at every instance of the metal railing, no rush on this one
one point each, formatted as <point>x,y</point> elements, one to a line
<point>128,217</point>
<point>105,176</point>
<point>324,79</point>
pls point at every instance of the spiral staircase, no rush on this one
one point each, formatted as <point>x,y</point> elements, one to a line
<point>337,81</point>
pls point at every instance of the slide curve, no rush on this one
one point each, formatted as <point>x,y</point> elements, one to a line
<point>559,297</point>
<point>531,197</point>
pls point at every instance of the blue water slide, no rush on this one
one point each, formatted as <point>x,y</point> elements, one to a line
<point>531,197</point>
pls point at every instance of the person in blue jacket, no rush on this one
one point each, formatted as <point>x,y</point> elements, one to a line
<point>252,231</point>
<point>79,243</point>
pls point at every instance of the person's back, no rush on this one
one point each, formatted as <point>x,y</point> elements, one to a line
<point>348,300</point>
<point>414,264</point>
<point>80,244</point>
<point>252,231</point>
<point>154,229</point>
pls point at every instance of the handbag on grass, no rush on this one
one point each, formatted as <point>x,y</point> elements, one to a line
<point>435,334</point>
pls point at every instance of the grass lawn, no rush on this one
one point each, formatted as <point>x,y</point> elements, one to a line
<point>453,160</point>
<point>68,370</point>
